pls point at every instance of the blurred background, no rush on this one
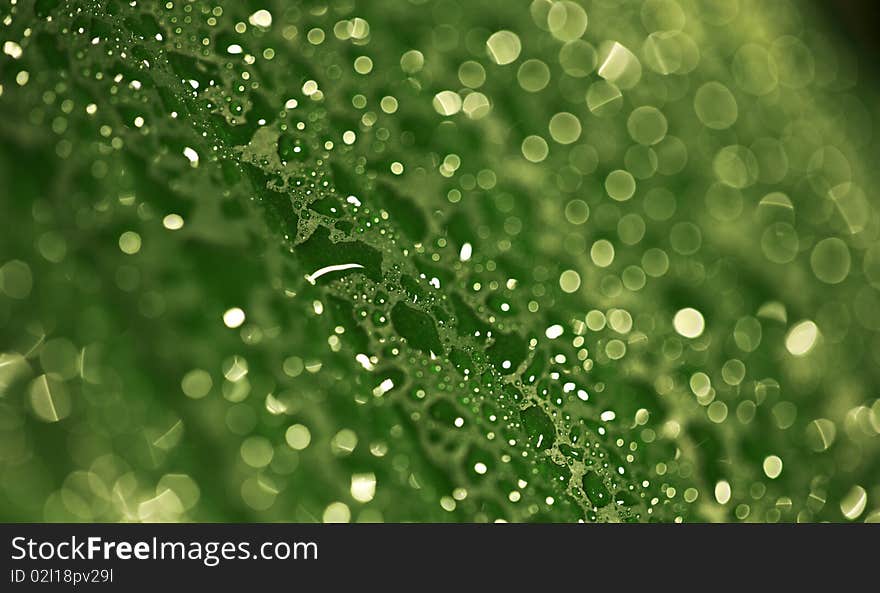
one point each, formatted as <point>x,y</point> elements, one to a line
<point>615,260</point>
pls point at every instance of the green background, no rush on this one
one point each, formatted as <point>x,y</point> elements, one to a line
<point>604,261</point>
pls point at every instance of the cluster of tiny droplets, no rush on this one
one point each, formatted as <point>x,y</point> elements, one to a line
<point>436,261</point>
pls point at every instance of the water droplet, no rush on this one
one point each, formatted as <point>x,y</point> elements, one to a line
<point>715,106</point>
<point>801,338</point>
<point>830,260</point>
<point>233,318</point>
<point>689,322</point>
<point>503,47</point>
<point>647,125</point>
<point>853,504</point>
<point>722,492</point>
<point>772,466</point>
<point>447,103</point>
<point>298,437</point>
